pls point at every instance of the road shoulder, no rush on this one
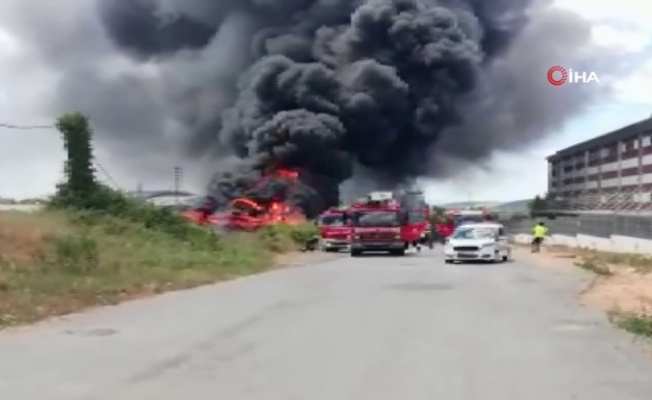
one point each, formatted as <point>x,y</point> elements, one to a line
<point>619,285</point>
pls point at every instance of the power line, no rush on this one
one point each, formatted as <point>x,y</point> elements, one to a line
<point>35,127</point>
<point>25,127</point>
<point>105,172</point>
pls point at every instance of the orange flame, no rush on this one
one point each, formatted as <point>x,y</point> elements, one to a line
<point>286,173</point>
<point>247,214</point>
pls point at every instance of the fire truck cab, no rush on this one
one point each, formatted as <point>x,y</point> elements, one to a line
<point>389,221</point>
<point>418,228</point>
<point>334,231</point>
<point>469,216</point>
<point>376,223</point>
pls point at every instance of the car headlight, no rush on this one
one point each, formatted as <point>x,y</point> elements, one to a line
<point>488,245</point>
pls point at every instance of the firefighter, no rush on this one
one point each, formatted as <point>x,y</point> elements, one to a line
<point>539,233</point>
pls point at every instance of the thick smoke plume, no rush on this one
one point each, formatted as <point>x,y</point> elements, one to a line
<point>382,91</point>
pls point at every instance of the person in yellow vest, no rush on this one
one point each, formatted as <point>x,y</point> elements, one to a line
<point>539,233</point>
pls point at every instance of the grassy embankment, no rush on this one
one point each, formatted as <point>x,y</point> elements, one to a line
<point>55,262</point>
<point>622,285</point>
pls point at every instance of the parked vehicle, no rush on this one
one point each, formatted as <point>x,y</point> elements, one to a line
<point>334,232</point>
<point>469,216</point>
<point>485,241</point>
<point>388,221</point>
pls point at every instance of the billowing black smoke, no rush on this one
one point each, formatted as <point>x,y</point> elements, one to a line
<point>332,85</point>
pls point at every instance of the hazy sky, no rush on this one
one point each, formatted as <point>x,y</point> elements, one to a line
<point>31,160</point>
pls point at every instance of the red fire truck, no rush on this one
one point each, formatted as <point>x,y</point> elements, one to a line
<point>334,232</point>
<point>469,215</point>
<point>386,221</point>
<point>418,228</point>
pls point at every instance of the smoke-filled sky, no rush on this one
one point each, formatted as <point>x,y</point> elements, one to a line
<point>386,90</point>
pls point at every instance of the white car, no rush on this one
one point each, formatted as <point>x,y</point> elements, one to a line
<point>485,241</point>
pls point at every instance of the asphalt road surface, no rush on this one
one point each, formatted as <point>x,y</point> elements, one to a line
<point>371,328</point>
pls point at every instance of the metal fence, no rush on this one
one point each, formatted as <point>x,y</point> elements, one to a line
<point>625,201</point>
<point>599,225</point>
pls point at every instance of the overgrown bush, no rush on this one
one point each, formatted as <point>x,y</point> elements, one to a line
<point>56,262</point>
<point>284,237</point>
<point>75,253</point>
<point>110,203</point>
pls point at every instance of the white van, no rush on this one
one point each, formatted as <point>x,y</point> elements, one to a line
<point>485,241</point>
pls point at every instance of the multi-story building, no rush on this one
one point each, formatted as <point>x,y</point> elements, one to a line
<point>612,171</point>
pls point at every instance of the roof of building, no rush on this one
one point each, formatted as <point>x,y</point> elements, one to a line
<point>150,194</point>
<point>623,133</point>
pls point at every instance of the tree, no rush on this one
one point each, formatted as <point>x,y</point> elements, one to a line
<point>80,186</point>
<point>538,205</point>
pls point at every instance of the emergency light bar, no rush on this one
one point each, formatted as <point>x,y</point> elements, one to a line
<point>471,212</point>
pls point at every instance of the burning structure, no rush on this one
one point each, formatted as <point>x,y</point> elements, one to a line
<point>253,210</point>
<point>303,93</point>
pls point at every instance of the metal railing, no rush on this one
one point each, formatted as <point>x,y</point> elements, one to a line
<point>624,202</point>
<point>597,225</point>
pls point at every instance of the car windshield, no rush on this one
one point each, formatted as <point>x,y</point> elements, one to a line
<point>332,220</point>
<point>475,233</point>
<point>375,218</point>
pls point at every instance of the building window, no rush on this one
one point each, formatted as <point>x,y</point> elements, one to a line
<point>606,152</point>
<point>646,141</point>
<point>623,147</point>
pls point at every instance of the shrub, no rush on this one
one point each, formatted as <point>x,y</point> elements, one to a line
<point>284,237</point>
<point>75,253</point>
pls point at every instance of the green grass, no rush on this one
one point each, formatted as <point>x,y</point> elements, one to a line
<point>595,265</point>
<point>637,324</point>
<point>642,263</point>
<point>57,262</point>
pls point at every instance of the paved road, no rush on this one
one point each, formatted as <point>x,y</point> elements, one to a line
<point>376,328</point>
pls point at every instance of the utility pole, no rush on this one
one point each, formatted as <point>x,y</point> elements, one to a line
<point>177,183</point>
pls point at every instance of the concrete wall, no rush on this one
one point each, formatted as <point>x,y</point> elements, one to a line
<point>612,244</point>
<point>610,233</point>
